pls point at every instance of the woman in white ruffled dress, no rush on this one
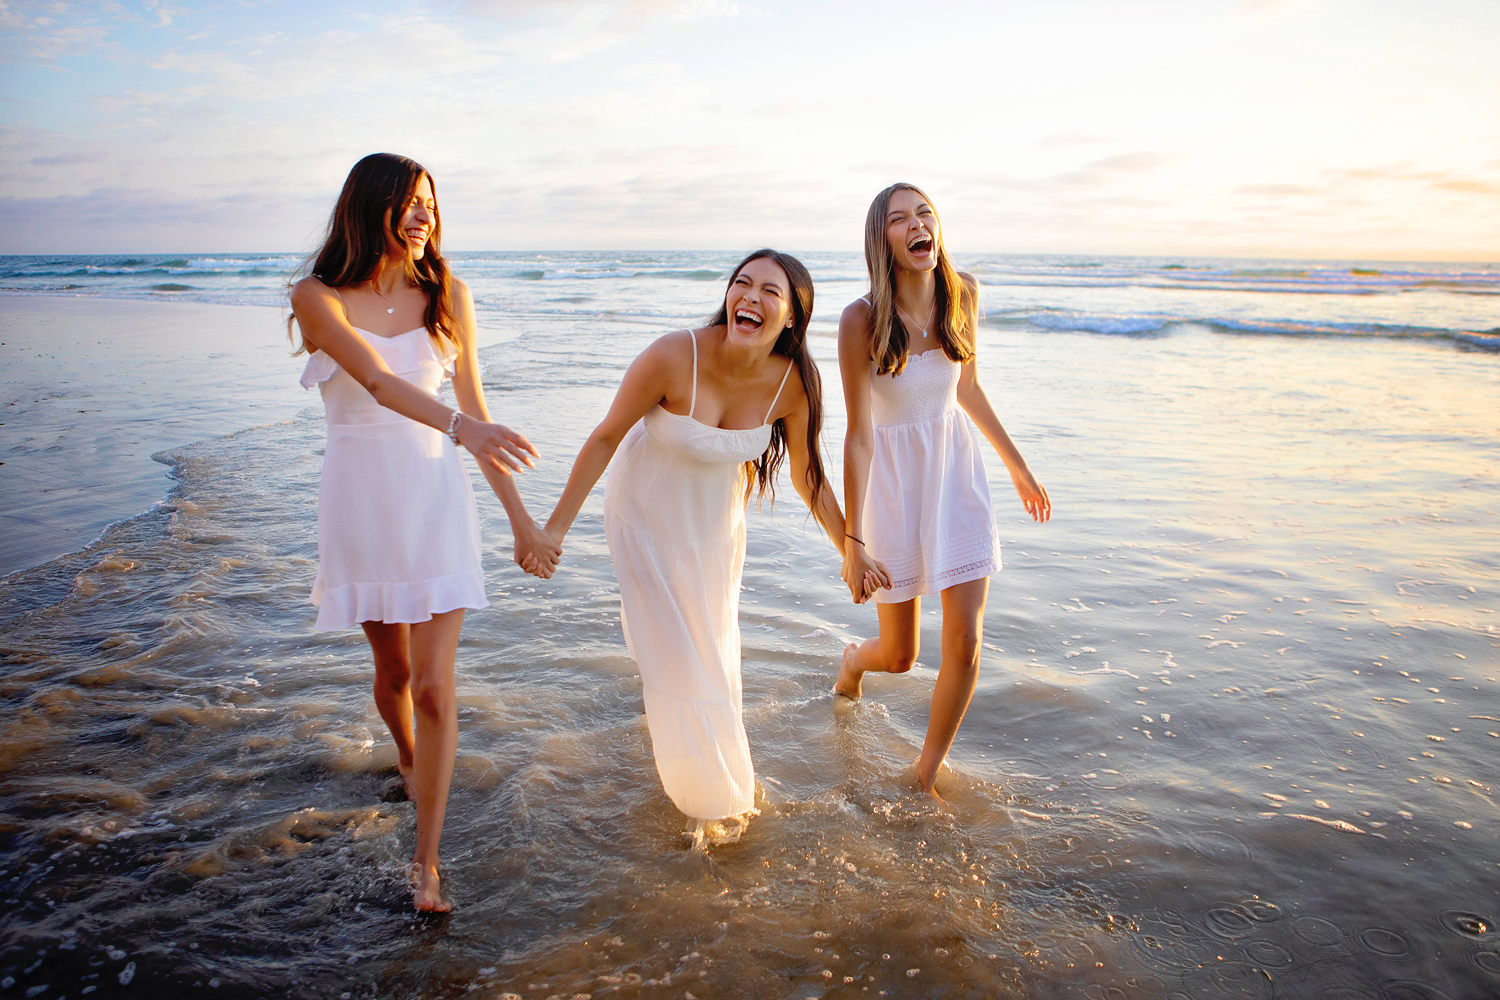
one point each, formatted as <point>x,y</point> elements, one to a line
<point>701,418</point>
<point>914,478</point>
<point>398,535</point>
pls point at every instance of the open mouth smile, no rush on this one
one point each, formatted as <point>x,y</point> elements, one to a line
<point>748,319</point>
<point>920,244</point>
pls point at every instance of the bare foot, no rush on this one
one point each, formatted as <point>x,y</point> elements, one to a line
<point>427,890</point>
<point>850,680</point>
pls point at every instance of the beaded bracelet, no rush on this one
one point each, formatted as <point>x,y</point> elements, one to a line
<point>453,425</point>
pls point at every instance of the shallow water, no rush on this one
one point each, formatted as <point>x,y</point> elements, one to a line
<point>1235,734</point>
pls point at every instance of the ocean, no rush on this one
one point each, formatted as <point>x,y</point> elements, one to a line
<point>1235,735</point>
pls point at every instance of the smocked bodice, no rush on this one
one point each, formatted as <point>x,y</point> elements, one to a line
<point>410,355</point>
<point>925,390</point>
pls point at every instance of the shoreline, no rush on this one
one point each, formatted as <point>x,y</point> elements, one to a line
<point>95,387</point>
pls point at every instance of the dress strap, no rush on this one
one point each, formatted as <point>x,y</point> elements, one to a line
<point>342,304</point>
<point>693,400</point>
<point>777,398</point>
<point>866,300</point>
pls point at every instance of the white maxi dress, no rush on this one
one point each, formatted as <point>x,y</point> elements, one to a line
<point>398,533</point>
<point>674,516</point>
<point>927,512</point>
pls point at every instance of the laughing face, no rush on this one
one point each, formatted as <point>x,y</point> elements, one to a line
<point>759,302</point>
<point>911,228</point>
<point>418,219</point>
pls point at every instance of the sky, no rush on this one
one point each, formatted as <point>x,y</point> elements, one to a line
<point>1354,129</point>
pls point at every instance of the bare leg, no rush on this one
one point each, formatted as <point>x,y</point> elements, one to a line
<point>963,628</point>
<point>434,644</point>
<point>893,651</point>
<point>423,715</point>
<point>393,689</point>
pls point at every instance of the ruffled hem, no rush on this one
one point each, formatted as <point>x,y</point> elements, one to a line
<point>702,755</point>
<point>396,603</point>
<point>402,354</point>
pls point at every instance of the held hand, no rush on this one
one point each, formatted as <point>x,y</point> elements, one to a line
<point>504,449</point>
<point>536,552</point>
<point>862,574</point>
<point>1033,496</point>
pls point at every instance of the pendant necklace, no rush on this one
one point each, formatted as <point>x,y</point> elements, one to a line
<point>930,317</point>
<point>391,310</point>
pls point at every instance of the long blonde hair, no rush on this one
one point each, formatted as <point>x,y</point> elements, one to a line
<point>956,307</point>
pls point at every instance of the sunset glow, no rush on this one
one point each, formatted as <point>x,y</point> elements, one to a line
<point>1262,128</point>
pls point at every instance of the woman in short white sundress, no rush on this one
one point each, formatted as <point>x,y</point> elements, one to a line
<point>700,417</point>
<point>914,478</point>
<point>398,535</point>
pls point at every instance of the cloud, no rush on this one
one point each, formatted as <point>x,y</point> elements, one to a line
<point>1468,187</point>
<point>1135,163</point>
<point>63,159</point>
<point>1276,190</point>
<point>1072,139</point>
<point>49,30</point>
<point>129,220</point>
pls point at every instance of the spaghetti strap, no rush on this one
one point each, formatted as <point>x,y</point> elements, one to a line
<point>777,398</point>
<point>693,399</point>
<point>866,300</point>
<point>342,304</point>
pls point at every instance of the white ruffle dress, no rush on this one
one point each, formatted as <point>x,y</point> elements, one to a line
<point>398,533</point>
<point>927,512</point>
<point>674,516</point>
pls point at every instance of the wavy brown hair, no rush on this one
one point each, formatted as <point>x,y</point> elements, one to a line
<point>957,304</point>
<point>791,344</point>
<point>367,215</point>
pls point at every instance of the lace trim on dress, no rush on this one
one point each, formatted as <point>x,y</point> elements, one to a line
<point>979,555</point>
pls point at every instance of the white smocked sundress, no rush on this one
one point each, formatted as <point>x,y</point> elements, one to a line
<point>398,534</point>
<point>674,516</point>
<point>927,512</point>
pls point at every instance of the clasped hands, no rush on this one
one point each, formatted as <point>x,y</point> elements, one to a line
<point>862,574</point>
<point>536,551</point>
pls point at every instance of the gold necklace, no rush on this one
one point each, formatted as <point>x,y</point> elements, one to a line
<point>930,317</point>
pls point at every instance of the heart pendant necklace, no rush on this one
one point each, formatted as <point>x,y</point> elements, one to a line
<point>390,309</point>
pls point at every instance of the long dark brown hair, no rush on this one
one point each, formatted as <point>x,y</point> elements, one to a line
<point>375,196</point>
<point>791,344</point>
<point>956,305</point>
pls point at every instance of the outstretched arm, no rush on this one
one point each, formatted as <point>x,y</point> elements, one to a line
<point>468,389</point>
<point>320,316</point>
<point>645,384</point>
<point>861,572</point>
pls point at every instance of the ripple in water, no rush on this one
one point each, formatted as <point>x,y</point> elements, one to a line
<point>1388,943</point>
<point>1320,933</point>
<point>1465,924</point>
<point>1232,922</point>
<point>1411,990</point>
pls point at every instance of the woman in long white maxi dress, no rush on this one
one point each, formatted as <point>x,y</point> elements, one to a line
<point>700,417</point>
<point>398,535</point>
<point>914,478</point>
